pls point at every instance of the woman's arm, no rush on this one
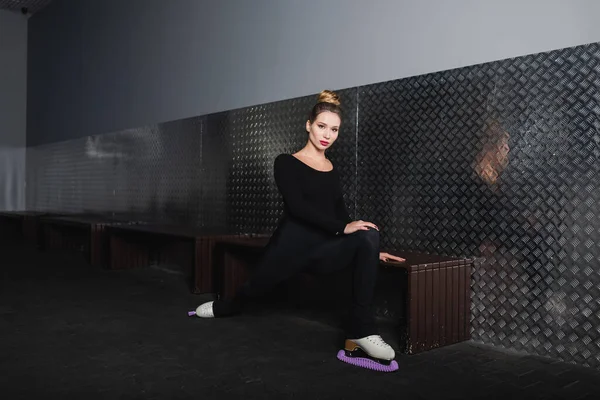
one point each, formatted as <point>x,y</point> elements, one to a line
<point>297,207</point>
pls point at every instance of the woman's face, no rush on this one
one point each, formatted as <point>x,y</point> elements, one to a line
<point>324,130</point>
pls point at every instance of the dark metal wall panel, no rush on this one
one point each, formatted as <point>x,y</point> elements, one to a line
<point>70,177</point>
<point>157,171</point>
<point>216,165</point>
<point>536,290</point>
<point>416,138</point>
<point>497,161</point>
<point>151,173</point>
<point>96,171</point>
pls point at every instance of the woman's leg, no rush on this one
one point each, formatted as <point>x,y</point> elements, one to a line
<point>296,248</point>
<point>360,251</point>
<point>306,250</point>
<point>286,255</point>
<point>364,346</point>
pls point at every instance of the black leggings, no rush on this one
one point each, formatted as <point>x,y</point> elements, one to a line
<point>296,248</point>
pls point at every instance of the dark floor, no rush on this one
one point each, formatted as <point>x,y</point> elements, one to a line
<point>72,331</point>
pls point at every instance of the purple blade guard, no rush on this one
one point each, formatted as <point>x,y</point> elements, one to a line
<point>366,363</point>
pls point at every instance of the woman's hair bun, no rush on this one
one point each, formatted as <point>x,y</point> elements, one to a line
<point>328,96</point>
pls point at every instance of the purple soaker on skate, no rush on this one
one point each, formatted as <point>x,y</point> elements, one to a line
<point>191,313</point>
<point>366,363</point>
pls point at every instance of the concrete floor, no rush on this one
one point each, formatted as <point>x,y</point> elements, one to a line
<point>72,331</point>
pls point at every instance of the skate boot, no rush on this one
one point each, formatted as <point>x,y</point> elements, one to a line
<point>369,352</point>
<point>204,310</point>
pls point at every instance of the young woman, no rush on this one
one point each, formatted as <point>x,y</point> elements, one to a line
<point>316,234</point>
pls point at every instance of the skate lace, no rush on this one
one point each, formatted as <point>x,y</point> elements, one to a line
<point>377,340</point>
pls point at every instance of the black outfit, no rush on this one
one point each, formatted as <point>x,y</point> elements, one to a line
<point>310,237</point>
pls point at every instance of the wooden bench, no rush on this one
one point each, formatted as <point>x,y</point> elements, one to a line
<point>428,296</point>
<point>22,224</point>
<point>231,257</point>
<point>11,225</point>
<point>437,299</point>
<point>85,233</point>
<point>135,246</point>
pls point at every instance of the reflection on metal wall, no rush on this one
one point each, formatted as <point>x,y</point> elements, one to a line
<point>151,172</point>
<point>157,171</point>
<point>497,161</point>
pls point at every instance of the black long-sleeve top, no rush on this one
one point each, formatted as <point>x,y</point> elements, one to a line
<point>311,196</point>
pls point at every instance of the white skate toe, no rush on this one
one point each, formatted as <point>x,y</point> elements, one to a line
<point>205,310</point>
<point>374,346</point>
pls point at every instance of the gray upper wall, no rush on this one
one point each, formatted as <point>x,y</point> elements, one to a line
<point>98,66</point>
<point>13,79</point>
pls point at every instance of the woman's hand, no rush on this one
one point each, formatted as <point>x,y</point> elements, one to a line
<point>387,257</point>
<point>355,226</point>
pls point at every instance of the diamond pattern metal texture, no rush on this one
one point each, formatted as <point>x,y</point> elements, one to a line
<point>157,171</point>
<point>496,161</point>
<point>151,173</point>
<point>70,177</point>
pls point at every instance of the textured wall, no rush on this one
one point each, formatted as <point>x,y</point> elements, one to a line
<point>498,160</point>
<point>100,66</point>
<point>13,92</point>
